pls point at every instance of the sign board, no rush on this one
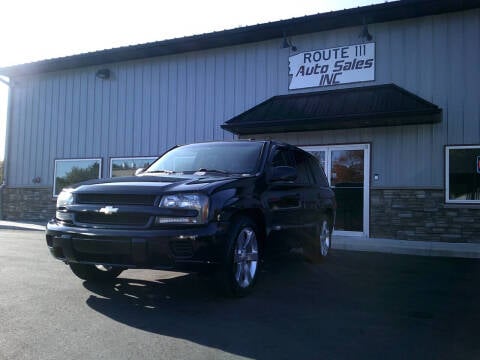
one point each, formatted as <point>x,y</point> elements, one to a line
<point>334,66</point>
<point>478,164</point>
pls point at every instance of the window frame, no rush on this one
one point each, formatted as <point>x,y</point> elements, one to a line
<point>154,158</point>
<point>73,159</point>
<point>447,175</point>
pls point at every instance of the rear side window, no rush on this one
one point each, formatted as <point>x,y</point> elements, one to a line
<point>283,158</point>
<point>318,172</point>
<point>305,174</point>
<point>308,168</point>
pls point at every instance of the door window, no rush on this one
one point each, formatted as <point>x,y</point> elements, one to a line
<point>347,179</point>
<point>346,168</point>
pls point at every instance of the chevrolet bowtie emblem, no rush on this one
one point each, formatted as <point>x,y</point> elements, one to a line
<point>108,210</point>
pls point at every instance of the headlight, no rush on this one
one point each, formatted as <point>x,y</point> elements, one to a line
<point>197,202</point>
<point>64,198</point>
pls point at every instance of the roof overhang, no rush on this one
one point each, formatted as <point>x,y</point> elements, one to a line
<point>384,12</point>
<point>359,107</point>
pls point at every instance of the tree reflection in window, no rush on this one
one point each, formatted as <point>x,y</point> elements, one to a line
<point>69,172</point>
<point>347,166</point>
<point>128,166</point>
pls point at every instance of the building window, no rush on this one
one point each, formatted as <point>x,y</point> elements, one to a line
<point>128,165</point>
<point>72,171</point>
<point>462,175</point>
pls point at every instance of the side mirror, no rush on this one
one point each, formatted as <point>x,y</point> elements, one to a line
<point>284,173</point>
<point>139,171</point>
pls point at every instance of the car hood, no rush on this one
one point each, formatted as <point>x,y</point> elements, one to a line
<point>155,184</point>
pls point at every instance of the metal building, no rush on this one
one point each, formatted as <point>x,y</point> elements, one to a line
<point>386,96</point>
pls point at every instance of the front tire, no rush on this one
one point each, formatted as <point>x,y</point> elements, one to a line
<point>242,260</point>
<point>95,273</point>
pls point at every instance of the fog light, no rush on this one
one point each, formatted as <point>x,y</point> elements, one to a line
<point>175,220</point>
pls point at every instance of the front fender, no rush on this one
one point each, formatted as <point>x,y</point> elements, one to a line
<point>229,202</point>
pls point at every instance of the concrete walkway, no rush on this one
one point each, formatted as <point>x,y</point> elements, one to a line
<point>352,243</point>
<point>17,225</point>
<point>408,247</point>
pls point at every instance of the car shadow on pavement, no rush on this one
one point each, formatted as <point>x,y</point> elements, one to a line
<point>286,316</point>
<point>354,305</point>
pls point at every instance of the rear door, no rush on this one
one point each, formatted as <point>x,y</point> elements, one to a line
<point>283,198</point>
<point>308,189</point>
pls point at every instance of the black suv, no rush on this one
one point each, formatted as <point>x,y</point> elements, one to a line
<point>206,206</point>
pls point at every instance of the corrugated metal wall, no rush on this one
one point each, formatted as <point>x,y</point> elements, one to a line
<point>148,106</point>
<point>436,58</point>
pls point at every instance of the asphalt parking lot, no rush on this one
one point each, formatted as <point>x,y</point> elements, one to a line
<point>355,306</point>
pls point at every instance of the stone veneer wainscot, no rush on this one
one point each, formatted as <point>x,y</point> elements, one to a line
<point>422,214</point>
<point>28,204</point>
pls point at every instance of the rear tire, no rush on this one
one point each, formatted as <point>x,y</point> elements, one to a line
<point>318,246</point>
<point>98,273</point>
<point>240,270</point>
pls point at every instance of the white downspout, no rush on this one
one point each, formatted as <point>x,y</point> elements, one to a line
<point>7,138</point>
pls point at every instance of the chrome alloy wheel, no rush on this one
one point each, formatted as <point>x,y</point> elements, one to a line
<point>245,257</point>
<point>324,239</point>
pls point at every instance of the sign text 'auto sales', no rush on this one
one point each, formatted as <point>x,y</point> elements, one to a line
<point>340,65</point>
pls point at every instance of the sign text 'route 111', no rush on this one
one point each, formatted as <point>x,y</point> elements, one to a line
<point>333,66</point>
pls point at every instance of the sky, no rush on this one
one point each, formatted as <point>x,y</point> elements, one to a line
<point>32,30</point>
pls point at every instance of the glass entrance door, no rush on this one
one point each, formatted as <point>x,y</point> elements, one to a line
<point>347,168</point>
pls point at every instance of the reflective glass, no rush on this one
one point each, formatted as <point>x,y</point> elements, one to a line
<point>69,172</point>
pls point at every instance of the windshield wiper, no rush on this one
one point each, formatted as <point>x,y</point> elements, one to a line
<point>160,171</point>
<point>213,170</point>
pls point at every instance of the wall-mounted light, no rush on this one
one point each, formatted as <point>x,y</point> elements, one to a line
<point>365,34</point>
<point>287,43</point>
<point>103,74</point>
<point>37,180</point>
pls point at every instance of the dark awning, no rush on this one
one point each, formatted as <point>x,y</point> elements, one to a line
<point>381,105</point>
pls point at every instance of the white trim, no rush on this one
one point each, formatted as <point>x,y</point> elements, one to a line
<point>76,159</point>
<point>447,174</point>
<point>366,178</point>
<point>359,234</point>
<point>129,158</point>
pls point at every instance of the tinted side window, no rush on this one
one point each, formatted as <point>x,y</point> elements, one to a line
<point>283,158</point>
<point>318,172</point>
<point>305,175</point>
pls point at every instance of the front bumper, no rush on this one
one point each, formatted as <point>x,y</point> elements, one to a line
<point>189,248</point>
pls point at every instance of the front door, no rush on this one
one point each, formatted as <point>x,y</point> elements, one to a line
<point>347,168</point>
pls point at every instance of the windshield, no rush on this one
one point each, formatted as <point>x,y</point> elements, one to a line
<point>226,157</point>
